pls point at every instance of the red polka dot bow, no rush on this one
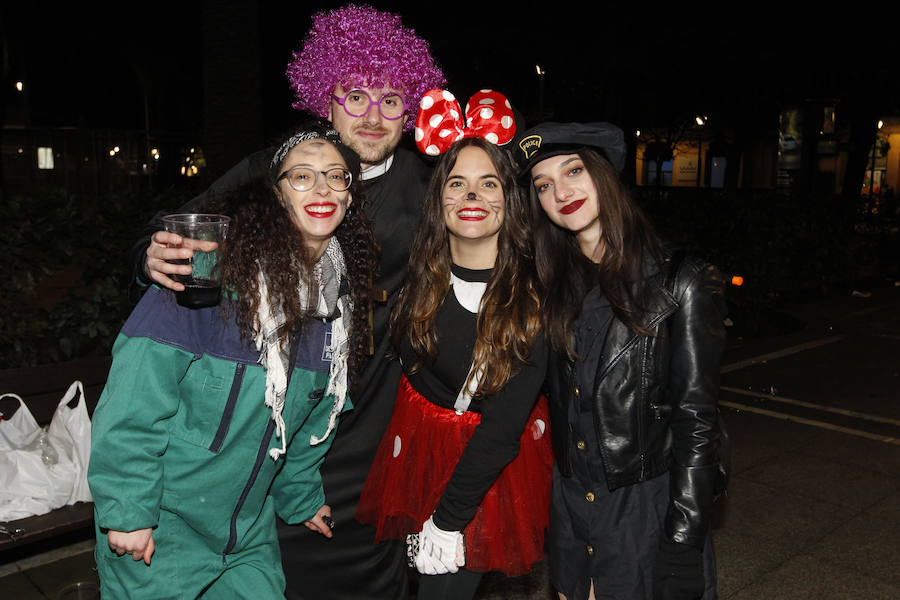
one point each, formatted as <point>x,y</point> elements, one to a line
<point>439,123</point>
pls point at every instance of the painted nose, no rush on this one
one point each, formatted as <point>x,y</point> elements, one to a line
<point>471,196</point>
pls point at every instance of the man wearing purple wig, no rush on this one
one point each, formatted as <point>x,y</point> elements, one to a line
<point>355,59</point>
<point>365,72</point>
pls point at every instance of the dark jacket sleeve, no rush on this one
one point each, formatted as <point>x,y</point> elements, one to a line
<point>697,341</point>
<point>243,172</point>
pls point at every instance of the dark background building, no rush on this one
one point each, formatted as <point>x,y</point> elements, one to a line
<point>113,111</point>
<point>211,75</point>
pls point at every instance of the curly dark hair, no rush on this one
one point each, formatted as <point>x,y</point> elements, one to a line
<point>262,236</point>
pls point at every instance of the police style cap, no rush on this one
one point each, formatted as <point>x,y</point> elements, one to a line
<point>552,139</point>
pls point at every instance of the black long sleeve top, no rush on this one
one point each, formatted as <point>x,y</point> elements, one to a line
<point>504,415</point>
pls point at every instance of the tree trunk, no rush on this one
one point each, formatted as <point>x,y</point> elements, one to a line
<point>232,103</point>
<point>861,118</point>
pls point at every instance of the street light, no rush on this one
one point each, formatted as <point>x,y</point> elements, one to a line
<point>701,121</point>
<point>540,74</point>
<point>878,127</point>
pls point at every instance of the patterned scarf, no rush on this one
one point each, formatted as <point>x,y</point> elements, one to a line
<point>326,303</point>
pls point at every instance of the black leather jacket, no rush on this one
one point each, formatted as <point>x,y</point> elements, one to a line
<point>654,398</point>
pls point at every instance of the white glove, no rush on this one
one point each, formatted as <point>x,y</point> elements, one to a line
<point>439,551</point>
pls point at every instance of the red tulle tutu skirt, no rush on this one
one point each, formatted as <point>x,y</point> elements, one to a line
<point>415,460</point>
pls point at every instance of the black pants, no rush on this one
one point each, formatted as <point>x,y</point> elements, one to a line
<point>461,585</point>
<point>350,566</point>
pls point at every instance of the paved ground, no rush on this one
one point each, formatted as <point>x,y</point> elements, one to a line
<point>813,509</point>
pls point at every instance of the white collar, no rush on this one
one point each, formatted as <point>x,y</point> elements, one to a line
<point>468,293</point>
<point>377,170</point>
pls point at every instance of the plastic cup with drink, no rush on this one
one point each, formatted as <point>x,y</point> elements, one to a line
<point>203,287</point>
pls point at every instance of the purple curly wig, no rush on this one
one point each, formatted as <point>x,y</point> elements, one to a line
<point>360,46</point>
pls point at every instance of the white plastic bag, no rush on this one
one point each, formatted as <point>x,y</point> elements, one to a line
<point>41,470</point>
<point>20,430</point>
<point>70,433</point>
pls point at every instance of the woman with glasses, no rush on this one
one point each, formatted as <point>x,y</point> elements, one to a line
<point>347,48</point>
<point>464,466</point>
<point>637,334</point>
<point>214,419</point>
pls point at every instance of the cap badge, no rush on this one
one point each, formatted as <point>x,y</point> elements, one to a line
<point>530,145</point>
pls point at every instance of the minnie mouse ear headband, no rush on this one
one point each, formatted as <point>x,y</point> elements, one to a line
<point>439,124</point>
<point>552,139</point>
<point>315,130</point>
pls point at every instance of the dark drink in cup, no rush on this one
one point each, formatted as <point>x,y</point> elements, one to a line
<point>204,234</point>
<point>199,292</point>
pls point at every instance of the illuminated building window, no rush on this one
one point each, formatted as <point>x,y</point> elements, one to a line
<point>666,173</point>
<point>717,169</point>
<point>45,158</point>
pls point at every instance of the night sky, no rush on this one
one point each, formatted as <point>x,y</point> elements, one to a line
<point>636,65</point>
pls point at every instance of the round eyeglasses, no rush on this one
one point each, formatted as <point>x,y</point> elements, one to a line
<point>303,179</point>
<point>356,103</point>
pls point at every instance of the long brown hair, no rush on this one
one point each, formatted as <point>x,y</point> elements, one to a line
<point>263,237</point>
<point>508,319</point>
<point>627,238</point>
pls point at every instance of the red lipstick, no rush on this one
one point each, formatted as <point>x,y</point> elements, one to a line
<point>321,210</point>
<point>571,207</point>
<point>472,214</point>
